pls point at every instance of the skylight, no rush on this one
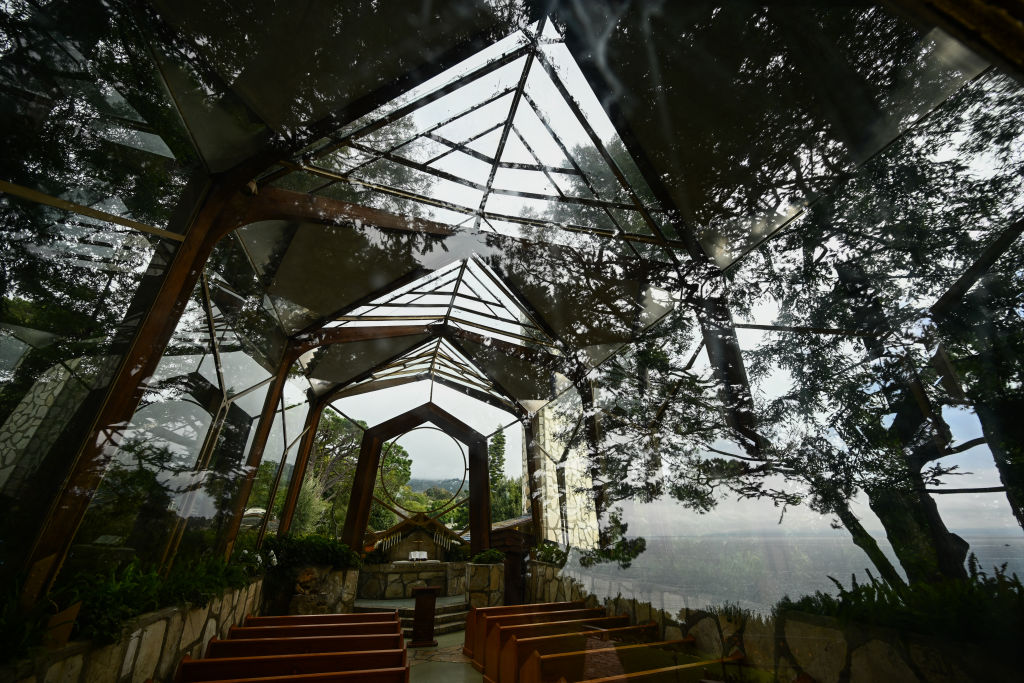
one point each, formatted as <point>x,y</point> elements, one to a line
<point>510,141</point>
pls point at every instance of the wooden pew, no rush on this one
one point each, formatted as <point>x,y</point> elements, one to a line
<point>307,630</point>
<point>296,619</point>
<point>192,670</point>
<point>477,612</point>
<point>517,650</point>
<point>390,675</point>
<point>489,621</point>
<point>255,647</point>
<point>600,665</point>
<point>497,637</point>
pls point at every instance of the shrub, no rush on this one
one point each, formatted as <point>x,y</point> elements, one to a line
<point>491,556</point>
<point>457,553</point>
<point>551,553</point>
<point>297,551</point>
<point>108,600</point>
<point>375,556</point>
<point>952,609</point>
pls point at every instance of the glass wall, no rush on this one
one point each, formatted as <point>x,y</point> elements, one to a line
<point>171,492</point>
<point>94,165</point>
<point>837,403</point>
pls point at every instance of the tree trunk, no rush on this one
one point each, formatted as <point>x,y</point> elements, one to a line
<point>927,551</point>
<point>1003,426</point>
<point>867,543</point>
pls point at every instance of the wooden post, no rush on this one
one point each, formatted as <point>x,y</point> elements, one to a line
<point>226,543</point>
<point>151,337</point>
<point>479,498</point>
<point>361,499</point>
<point>534,476</point>
<point>316,409</point>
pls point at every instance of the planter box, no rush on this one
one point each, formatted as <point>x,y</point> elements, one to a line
<point>398,579</point>
<point>323,590</point>
<point>485,584</point>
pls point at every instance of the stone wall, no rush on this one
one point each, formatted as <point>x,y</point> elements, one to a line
<point>36,422</point>
<point>795,646</point>
<point>485,584</point>
<point>397,579</point>
<point>150,647</point>
<point>323,590</point>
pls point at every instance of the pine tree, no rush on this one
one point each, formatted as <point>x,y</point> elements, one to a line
<point>496,458</point>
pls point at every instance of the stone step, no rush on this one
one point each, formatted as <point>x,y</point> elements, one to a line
<point>407,612</point>
<point>439,619</point>
<point>439,629</point>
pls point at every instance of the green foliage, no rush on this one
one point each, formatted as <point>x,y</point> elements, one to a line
<point>507,499</point>
<point>980,608</point>
<point>496,458</point>
<point>109,599</point>
<point>375,556</point>
<point>490,556</point>
<point>615,547</point>
<point>551,553</point>
<point>296,551</point>
<point>458,553</point>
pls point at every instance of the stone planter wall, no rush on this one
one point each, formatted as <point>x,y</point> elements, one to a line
<point>817,648</point>
<point>397,579</point>
<point>321,589</point>
<point>485,584</point>
<point>151,645</point>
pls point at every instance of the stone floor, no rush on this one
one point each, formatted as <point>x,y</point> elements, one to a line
<point>444,663</point>
<point>399,603</point>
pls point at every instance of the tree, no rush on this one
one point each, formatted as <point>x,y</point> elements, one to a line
<point>332,467</point>
<point>496,458</point>
<point>506,492</point>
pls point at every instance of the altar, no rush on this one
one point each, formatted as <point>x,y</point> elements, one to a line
<point>418,551</point>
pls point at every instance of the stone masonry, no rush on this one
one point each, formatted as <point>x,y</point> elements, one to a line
<point>150,647</point>
<point>485,584</point>
<point>397,579</point>
<point>792,647</point>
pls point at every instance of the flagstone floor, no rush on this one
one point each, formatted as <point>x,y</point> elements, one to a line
<point>444,663</point>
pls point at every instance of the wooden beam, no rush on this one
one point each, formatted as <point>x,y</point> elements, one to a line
<point>226,540</point>
<point>273,203</point>
<point>226,207</point>
<point>992,28</point>
<point>316,409</point>
<point>357,516</point>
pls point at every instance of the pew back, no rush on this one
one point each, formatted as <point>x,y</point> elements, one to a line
<point>488,622</point>
<point>255,647</point>
<point>306,630</point>
<point>476,612</point>
<point>602,661</point>
<point>193,670</point>
<point>517,650</point>
<point>498,637</point>
<point>297,619</point>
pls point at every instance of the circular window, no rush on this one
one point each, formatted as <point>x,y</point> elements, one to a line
<point>437,469</point>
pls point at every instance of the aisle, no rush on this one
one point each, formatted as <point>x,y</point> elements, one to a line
<point>442,664</point>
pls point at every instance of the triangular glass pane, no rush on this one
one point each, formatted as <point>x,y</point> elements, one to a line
<point>516,152</point>
<point>487,144</point>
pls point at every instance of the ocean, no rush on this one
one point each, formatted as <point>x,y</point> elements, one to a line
<point>755,572</point>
